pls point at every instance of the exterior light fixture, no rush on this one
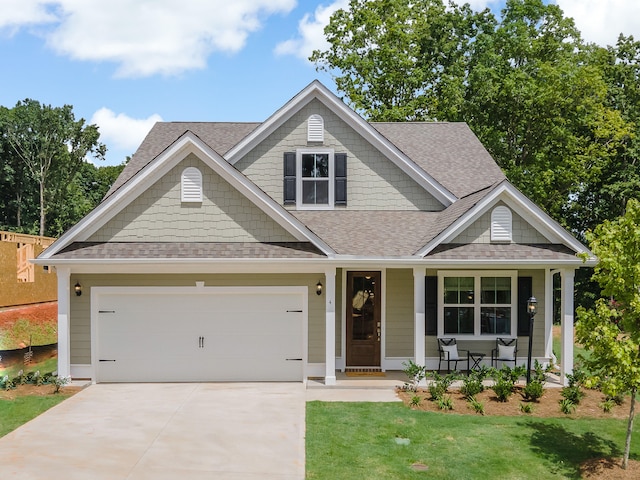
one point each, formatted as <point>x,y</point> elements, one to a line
<point>532,305</point>
<point>319,288</point>
<point>78,289</point>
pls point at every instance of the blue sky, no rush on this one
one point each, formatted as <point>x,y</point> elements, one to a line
<point>125,64</point>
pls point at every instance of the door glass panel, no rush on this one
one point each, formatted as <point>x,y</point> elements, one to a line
<point>363,311</point>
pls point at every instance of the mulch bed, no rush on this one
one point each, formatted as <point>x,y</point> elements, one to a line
<point>37,391</point>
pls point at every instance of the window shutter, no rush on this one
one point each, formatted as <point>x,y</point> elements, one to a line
<point>525,290</point>
<point>191,185</point>
<point>501,224</point>
<point>340,193</point>
<point>431,305</point>
<point>289,178</point>
<point>315,129</point>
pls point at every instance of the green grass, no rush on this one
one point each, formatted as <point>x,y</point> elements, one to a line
<point>14,413</point>
<point>23,330</point>
<point>577,350</point>
<point>357,441</point>
<point>49,365</point>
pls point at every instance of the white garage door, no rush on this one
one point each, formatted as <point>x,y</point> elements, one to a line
<point>214,334</point>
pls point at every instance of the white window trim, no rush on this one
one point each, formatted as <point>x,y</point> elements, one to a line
<point>477,274</point>
<point>299,204</point>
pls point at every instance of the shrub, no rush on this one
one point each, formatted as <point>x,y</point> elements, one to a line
<point>503,389</point>
<point>59,382</point>
<point>440,384</point>
<point>526,407</point>
<point>477,406</point>
<point>415,400</point>
<point>6,383</point>
<point>505,380</point>
<point>533,391</point>
<point>572,393</point>
<point>416,374</point>
<point>567,406</point>
<point>445,403</point>
<point>607,405</point>
<point>471,387</point>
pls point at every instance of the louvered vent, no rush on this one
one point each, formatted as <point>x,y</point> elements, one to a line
<point>501,228</point>
<point>315,129</point>
<point>191,185</point>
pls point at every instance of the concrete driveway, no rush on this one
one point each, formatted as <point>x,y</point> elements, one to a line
<point>164,431</point>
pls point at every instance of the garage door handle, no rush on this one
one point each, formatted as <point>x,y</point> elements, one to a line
<point>103,360</point>
<point>294,311</point>
<point>294,359</point>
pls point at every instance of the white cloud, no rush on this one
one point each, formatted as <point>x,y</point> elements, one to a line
<point>16,13</point>
<point>148,37</point>
<point>120,131</point>
<point>601,21</point>
<point>311,32</point>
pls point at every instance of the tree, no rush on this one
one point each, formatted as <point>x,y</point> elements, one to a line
<point>402,59</point>
<point>52,145</point>
<point>611,330</point>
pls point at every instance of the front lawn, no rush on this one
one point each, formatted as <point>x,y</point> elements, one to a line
<point>368,440</point>
<point>20,410</point>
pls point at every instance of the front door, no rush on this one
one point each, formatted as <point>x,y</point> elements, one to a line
<point>363,319</point>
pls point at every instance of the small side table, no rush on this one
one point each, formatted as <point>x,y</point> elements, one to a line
<point>474,359</point>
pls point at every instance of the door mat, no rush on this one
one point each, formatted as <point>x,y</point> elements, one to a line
<point>365,374</point>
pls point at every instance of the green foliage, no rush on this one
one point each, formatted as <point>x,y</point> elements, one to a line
<point>472,384</point>
<point>505,380</point>
<point>416,374</point>
<point>440,384</point>
<point>567,406</point>
<point>607,405</point>
<point>445,402</point>
<point>573,393</point>
<point>611,330</point>
<point>533,391</point>
<point>477,405</point>
<point>526,407</point>
<point>415,401</point>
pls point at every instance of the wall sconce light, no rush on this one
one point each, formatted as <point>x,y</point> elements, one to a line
<point>78,289</point>
<point>319,288</point>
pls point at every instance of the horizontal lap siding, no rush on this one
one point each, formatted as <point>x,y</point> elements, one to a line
<point>81,311</point>
<point>399,313</point>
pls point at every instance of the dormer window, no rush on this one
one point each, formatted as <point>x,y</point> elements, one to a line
<point>315,129</point>
<point>501,228</point>
<point>315,178</point>
<point>191,185</point>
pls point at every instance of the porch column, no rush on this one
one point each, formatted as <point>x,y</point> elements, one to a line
<point>567,324</point>
<point>64,304</point>
<point>330,327</point>
<point>419,314</point>
<point>548,314</point>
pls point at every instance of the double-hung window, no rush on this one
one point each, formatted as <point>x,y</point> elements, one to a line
<point>475,304</point>
<point>315,178</point>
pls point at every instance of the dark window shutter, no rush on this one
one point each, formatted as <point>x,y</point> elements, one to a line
<point>340,194</point>
<point>289,178</point>
<point>431,305</point>
<point>525,290</point>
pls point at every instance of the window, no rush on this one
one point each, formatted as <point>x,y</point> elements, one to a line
<point>477,303</point>
<point>191,185</point>
<point>501,224</point>
<point>315,178</point>
<point>315,175</point>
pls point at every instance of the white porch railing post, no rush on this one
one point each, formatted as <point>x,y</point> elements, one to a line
<point>548,314</point>
<point>419,314</point>
<point>64,306</point>
<point>567,324</point>
<point>330,327</point>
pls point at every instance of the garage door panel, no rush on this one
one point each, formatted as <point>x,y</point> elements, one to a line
<point>242,336</point>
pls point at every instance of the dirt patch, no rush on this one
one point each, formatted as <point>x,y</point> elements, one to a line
<point>609,469</point>
<point>41,313</point>
<point>38,391</point>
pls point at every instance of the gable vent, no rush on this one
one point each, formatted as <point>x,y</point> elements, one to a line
<point>191,185</point>
<point>501,228</point>
<point>315,129</point>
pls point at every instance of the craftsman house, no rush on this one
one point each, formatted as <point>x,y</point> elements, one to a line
<point>307,244</point>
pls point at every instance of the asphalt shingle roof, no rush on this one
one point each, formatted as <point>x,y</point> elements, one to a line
<point>492,251</point>
<point>201,250</point>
